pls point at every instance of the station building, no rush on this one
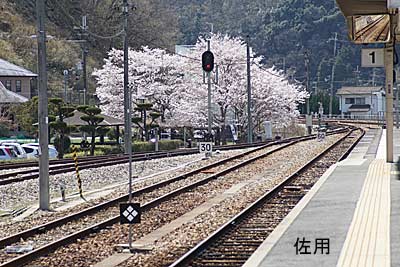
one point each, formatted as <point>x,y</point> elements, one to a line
<point>17,79</point>
<point>362,102</point>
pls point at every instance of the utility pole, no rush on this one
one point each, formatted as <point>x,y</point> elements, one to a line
<point>333,75</point>
<point>84,56</point>
<point>318,81</point>
<point>357,76</point>
<point>308,117</point>
<point>373,77</point>
<point>128,110</point>
<point>249,119</point>
<point>397,98</point>
<point>65,85</point>
<point>44,196</point>
<point>209,94</point>
<point>84,37</point>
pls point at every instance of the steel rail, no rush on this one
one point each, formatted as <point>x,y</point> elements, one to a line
<point>94,228</point>
<point>16,165</point>
<point>6,166</point>
<point>120,156</point>
<point>216,235</point>
<point>33,174</point>
<point>108,161</point>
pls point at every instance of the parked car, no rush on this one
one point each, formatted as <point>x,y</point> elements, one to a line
<point>32,151</point>
<point>165,136</point>
<point>7,153</point>
<point>198,134</point>
<point>37,145</point>
<point>19,151</point>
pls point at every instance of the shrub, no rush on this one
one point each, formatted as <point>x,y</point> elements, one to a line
<point>4,131</point>
<point>107,150</point>
<point>162,145</point>
<point>66,144</point>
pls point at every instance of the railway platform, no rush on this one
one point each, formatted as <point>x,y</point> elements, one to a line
<point>349,218</point>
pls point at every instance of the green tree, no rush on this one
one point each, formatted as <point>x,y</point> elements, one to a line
<point>26,116</point>
<point>147,119</point>
<point>60,111</point>
<point>93,119</point>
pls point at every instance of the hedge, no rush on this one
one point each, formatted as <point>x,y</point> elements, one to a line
<point>162,145</point>
<point>143,147</point>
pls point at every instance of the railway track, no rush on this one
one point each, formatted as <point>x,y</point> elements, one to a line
<point>375,31</point>
<point>234,242</point>
<point>63,166</point>
<point>83,222</point>
<point>16,165</point>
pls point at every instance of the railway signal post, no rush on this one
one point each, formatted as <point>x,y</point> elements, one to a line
<point>208,66</point>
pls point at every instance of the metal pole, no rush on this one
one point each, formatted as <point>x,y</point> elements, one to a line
<point>156,144</point>
<point>84,35</point>
<point>397,99</point>
<point>389,101</point>
<point>84,75</point>
<point>130,159</point>
<point>44,196</point>
<point>126,90</point>
<point>332,76</point>
<point>249,120</point>
<point>209,95</point>
<point>307,62</point>
<point>373,77</point>
<point>65,86</point>
<point>184,137</point>
<point>127,110</point>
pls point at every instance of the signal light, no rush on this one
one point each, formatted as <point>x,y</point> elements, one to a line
<point>207,61</point>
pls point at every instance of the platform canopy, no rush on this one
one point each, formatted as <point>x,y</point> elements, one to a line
<point>362,7</point>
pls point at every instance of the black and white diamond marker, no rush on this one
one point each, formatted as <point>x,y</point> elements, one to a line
<point>129,213</point>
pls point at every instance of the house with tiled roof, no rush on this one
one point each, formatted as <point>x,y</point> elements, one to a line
<point>17,79</point>
<point>8,97</point>
<point>362,101</point>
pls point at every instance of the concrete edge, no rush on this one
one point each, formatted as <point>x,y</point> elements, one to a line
<point>265,248</point>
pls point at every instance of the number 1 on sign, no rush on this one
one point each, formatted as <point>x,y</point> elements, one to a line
<point>372,54</point>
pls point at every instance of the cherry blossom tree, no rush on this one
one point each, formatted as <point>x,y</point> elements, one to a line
<point>154,74</point>
<point>175,85</point>
<point>274,98</point>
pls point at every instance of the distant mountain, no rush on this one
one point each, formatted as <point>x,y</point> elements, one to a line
<point>281,31</point>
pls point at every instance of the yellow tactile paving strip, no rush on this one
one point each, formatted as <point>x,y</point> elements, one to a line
<point>368,239</point>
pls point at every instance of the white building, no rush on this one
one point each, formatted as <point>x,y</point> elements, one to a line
<point>362,102</point>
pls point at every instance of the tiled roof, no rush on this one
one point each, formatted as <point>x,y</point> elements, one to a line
<point>108,120</point>
<point>8,97</point>
<point>358,90</point>
<point>8,69</point>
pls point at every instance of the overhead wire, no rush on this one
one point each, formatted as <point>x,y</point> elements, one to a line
<point>105,37</point>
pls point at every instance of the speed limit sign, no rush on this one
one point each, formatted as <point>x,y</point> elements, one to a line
<point>205,147</point>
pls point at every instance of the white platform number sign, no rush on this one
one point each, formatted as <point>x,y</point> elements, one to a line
<point>372,57</point>
<point>205,147</point>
